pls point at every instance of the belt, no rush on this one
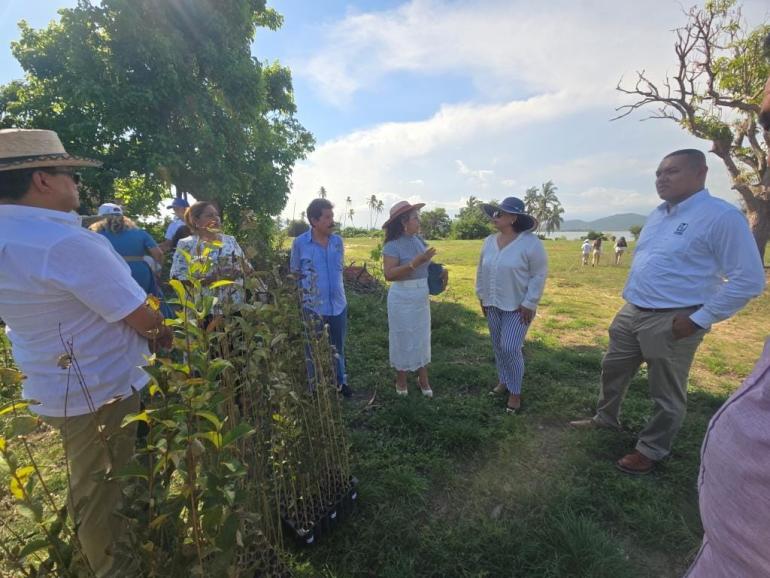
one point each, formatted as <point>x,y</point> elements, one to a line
<point>665,309</point>
<point>133,258</point>
<point>411,283</point>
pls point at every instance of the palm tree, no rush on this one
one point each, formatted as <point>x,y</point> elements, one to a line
<point>548,192</point>
<point>546,201</point>
<point>351,212</point>
<point>378,210</point>
<point>322,192</point>
<point>348,206</point>
<point>554,220</point>
<point>372,204</point>
<point>531,198</point>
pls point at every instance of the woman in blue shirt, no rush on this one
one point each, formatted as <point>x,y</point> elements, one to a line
<point>131,243</point>
<point>405,262</point>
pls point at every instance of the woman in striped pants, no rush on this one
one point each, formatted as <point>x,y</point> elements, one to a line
<point>509,283</point>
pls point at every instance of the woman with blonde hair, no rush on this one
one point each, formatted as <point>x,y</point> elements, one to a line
<point>131,243</point>
<point>226,260</point>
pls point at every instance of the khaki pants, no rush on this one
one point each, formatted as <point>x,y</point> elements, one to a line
<point>637,336</point>
<point>93,500</point>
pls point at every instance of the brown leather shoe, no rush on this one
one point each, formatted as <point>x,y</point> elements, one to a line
<point>635,463</point>
<point>514,403</point>
<point>499,389</point>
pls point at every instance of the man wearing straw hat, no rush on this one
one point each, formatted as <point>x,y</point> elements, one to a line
<point>78,326</point>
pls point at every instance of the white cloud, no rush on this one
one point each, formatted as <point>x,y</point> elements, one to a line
<point>499,44</point>
<point>545,76</point>
<point>477,177</point>
<point>381,160</point>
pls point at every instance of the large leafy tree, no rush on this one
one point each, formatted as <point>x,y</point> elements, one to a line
<point>164,93</point>
<point>715,94</point>
<point>471,221</point>
<point>435,224</point>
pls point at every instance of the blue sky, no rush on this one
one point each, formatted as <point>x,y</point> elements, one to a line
<point>437,100</point>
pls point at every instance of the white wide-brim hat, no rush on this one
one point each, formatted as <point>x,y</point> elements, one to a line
<point>26,148</point>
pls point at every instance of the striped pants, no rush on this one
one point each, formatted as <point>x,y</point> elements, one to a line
<point>508,332</point>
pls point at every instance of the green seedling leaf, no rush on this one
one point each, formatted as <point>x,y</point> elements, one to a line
<point>22,425</point>
<point>214,437</point>
<point>32,547</point>
<point>19,480</point>
<point>10,376</point>
<point>131,418</point>
<point>221,283</point>
<point>207,415</point>
<point>240,431</point>
<point>13,406</point>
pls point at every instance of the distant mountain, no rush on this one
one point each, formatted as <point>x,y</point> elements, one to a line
<point>620,222</point>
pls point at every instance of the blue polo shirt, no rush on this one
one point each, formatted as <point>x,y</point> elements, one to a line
<point>320,273</point>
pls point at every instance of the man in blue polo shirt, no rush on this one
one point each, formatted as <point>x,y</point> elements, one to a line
<point>317,259</point>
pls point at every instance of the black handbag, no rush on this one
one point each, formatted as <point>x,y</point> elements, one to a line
<point>435,278</point>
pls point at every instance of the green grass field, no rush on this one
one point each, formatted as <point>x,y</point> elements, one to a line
<point>455,487</point>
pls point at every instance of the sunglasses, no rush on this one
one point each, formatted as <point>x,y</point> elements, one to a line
<point>72,174</point>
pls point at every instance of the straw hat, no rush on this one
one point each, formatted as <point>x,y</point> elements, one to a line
<point>399,209</point>
<point>22,148</point>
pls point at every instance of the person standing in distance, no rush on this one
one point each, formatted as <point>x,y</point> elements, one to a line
<point>179,206</point>
<point>696,264</point>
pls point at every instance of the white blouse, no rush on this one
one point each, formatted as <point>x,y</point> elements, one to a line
<point>514,275</point>
<point>227,255</point>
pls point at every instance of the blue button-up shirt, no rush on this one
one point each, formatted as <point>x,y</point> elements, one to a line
<point>320,273</point>
<point>699,251</point>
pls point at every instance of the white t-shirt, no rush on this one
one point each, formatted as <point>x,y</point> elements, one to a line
<point>62,287</point>
<point>586,247</point>
<point>173,227</point>
<point>514,275</point>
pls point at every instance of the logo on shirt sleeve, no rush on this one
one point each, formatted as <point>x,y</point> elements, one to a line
<point>681,228</point>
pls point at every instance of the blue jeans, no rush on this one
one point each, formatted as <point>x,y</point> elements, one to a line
<point>338,329</point>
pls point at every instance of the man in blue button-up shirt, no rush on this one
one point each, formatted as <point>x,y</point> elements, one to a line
<point>696,264</point>
<point>317,259</point>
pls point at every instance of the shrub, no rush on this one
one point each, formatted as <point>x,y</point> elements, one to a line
<point>593,235</point>
<point>296,228</point>
<point>435,224</point>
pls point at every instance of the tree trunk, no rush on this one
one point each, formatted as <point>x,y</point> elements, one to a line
<point>758,214</point>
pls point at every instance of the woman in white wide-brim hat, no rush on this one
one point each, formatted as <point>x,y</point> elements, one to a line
<point>405,261</point>
<point>509,283</point>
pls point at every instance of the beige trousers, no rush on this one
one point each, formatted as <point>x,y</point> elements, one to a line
<point>93,500</point>
<point>637,336</point>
